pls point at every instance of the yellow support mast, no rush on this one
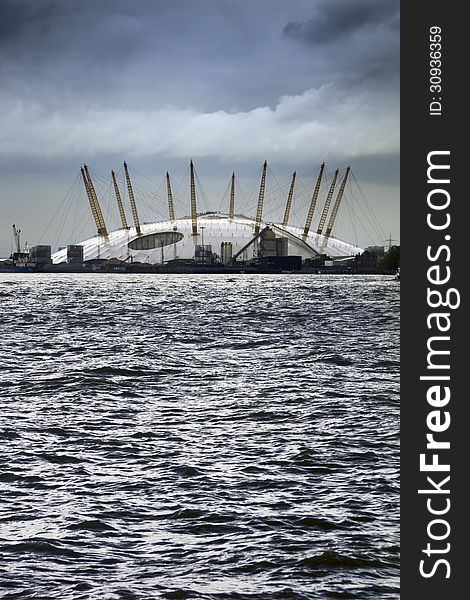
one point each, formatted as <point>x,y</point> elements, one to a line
<point>231,210</point>
<point>326,207</point>
<point>193,199</point>
<point>259,209</point>
<point>171,208</point>
<point>337,203</point>
<point>94,203</point>
<point>313,203</point>
<point>117,193</point>
<point>285,221</point>
<point>130,191</point>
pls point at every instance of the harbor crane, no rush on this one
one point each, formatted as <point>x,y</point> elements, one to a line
<point>16,236</point>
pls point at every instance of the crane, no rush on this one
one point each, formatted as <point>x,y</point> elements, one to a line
<point>259,209</point>
<point>117,193</point>
<point>130,191</point>
<point>313,203</point>
<point>16,235</point>
<point>289,201</point>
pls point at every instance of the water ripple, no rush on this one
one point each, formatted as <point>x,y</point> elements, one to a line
<point>199,437</point>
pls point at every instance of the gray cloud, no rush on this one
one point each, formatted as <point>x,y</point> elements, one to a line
<point>340,18</point>
<point>226,82</point>
<point>358,42</point>
<point>206,56</point>
<point>286,132</point>
<point>21,17</point>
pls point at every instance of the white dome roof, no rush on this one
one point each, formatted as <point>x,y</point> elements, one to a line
<point>168,240</point>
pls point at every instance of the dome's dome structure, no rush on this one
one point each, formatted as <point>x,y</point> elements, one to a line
<point>211,236</point>
<point>168,240</point>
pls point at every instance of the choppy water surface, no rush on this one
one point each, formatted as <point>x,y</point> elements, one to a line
<point>199,437</point>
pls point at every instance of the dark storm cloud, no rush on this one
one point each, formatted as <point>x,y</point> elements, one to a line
<point>339,18</point>
<point>186,77</point>
<point>229,82</point>
<point>21,17</point>
<point>358,41</point>
<point>205,54</point>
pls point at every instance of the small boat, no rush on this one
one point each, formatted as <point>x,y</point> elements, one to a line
<point>397,275</point>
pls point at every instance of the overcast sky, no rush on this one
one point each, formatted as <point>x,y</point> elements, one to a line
<point>228,83</point>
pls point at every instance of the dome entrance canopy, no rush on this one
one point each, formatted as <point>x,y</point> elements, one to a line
<point>155,240</point>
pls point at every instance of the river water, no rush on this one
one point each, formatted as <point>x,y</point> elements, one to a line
<point>209,437</point>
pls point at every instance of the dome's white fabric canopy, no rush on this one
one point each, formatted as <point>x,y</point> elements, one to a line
<point>167,240</point>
